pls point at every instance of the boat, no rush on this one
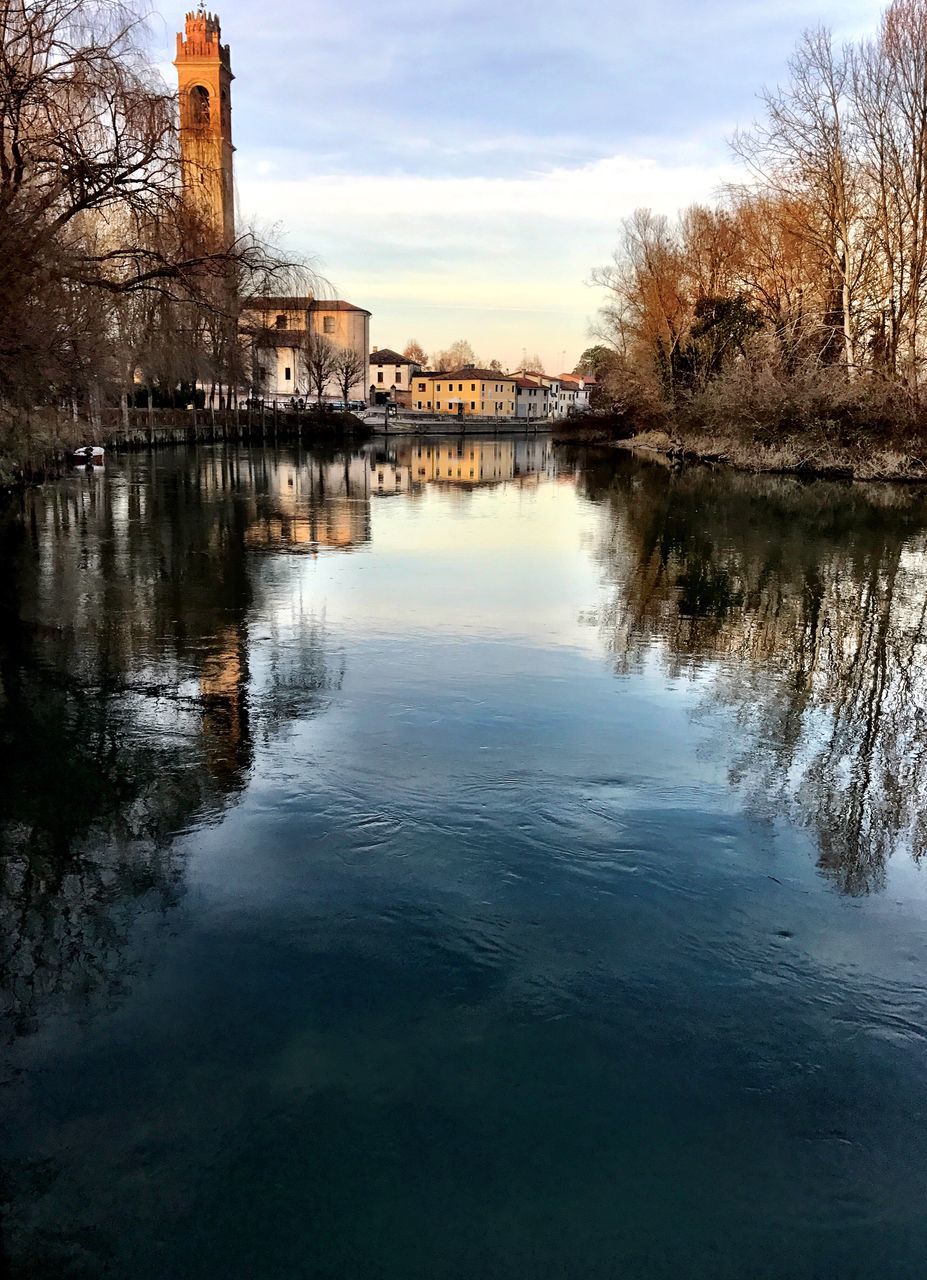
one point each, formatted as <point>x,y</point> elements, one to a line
<point>89,454</point>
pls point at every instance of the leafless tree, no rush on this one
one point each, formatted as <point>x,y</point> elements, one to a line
<point>457,356</point>
<point>415,351</point>
<point>320,357</point>
<point>348,369</point>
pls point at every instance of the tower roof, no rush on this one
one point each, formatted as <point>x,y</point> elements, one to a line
<point>202,38</point>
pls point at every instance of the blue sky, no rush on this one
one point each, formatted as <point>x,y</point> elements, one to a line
<point>459,169</point>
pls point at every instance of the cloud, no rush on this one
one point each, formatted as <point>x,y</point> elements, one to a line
<point>505,260</point>
<point>465,163</point>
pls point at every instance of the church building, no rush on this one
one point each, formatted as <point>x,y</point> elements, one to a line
<point>275,331</point>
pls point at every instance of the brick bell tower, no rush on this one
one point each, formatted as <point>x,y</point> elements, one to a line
<point>204,79</point>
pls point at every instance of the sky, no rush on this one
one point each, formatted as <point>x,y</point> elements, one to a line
<point>459,169</point>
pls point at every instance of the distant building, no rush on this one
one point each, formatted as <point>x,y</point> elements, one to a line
<point>280,330</point>
<point>532,399</point>
<point>580,387</point>
<point>566,391</point>
<point>391,376</point>
<point>464,393</point>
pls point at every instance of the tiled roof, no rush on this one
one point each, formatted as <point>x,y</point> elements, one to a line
<point>336,305</point>
<point>298,303</point>
<point>524,383</point>
<point>484,375</point>
<point>387,356</point>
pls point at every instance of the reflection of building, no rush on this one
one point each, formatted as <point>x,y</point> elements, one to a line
<point>389,475</point>
<point>223,690</point>
<point>282,329</point>
<point>465,392</point>
<point>313,506</point>
<point>465,462</point>
<point>533,457</point>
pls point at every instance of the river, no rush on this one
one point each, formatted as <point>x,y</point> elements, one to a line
<point>466,860</point>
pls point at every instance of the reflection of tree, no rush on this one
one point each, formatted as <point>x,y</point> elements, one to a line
<point>127,706</point>
<point>806,603</point>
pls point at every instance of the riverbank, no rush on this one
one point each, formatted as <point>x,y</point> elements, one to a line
<point>40,448</point>
<point>809,453</point>
<point>796,455</point>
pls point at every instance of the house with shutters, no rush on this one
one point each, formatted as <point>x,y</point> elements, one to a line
<point>463,393</point>
<point>391,377</point>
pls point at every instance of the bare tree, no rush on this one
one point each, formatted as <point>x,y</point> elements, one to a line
<point>348,369</point>
<point>415,351</point>
<point>92,209</point>
<point>806,149</point>
<point>320,357</point>
<point>457,356</point>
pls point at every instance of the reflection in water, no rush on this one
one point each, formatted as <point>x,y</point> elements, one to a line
<point>806,602</point>
<point>343,975</point>
<point>466,461</point>
<point>311,504</point>
<point>128,707</point>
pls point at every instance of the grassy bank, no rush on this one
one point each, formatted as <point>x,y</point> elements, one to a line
<point>798,455</point>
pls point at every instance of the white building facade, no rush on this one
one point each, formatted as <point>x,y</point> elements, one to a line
<point>280,330</point>
<point>532,400</point>
<point>391,376</point>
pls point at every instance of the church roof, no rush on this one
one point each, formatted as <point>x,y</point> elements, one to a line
<point>296,303</point>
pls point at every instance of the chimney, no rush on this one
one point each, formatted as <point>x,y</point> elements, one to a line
<point>375,350</point>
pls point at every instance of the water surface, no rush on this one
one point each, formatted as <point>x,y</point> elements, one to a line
<point>468,860</point>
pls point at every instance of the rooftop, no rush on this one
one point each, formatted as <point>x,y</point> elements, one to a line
<point>471,371</point>
<point>295,302</point>
<point>386,355</point>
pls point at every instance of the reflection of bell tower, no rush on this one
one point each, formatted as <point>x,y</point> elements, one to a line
<point>204,78</point>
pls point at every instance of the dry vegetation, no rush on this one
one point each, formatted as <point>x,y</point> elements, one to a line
<point>786,327</point>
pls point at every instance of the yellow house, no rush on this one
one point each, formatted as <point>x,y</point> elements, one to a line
<point>464,393</point>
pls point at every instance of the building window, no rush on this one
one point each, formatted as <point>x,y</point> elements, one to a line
<point>399,375</point>
<point>280,322</point>
<point>379,375</point>
<point>421,386</point>
<point>472,405</point>
<point>287,374</point>
<point>437,404</point>
<point>472,386</point>
<point>418,406</point>
<point>328,324</point>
